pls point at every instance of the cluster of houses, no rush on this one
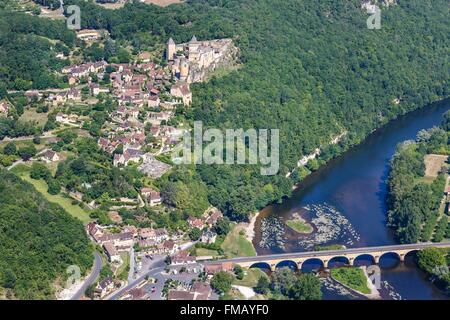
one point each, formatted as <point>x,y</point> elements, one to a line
<point>153,241</point>
<point>150,241</point>
<point>68,119</point>
<point>90,35</point>
<point>104,287</point>
<point>205,223</point>
<point>200,290</point>
<point>136,88</point>
<point>157,241</point>
<point>113,243</point>
<point>76,72</point>
<point>197,291</point>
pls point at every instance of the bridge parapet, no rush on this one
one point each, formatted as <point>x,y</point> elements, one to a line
<point>325,257</point>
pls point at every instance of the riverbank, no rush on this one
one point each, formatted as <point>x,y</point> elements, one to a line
<point>354,186</point>
<point>356,280</point>
<point>236,243</point>
<point>314,177</point>
<point>250,226</point>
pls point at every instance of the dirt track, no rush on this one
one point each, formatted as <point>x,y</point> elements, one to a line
<point>163,3</point>
<point>433,164</point>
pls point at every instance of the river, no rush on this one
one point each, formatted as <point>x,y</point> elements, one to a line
<point>346,201</point>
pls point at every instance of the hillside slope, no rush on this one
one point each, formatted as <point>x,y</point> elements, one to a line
<point>38,241</point>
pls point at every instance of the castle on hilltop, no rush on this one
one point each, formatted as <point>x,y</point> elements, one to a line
<point>192,61</point>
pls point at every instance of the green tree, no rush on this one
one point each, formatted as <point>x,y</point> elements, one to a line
<point>263,285</point>
<point>36,139</point>
<point>306,287</point>
<point>222,281</point>
<point>238,272</point>
<point>39,171</point>
<point>10,149</point>
<point>53,186</point>
<point>27,152</point>
<point>430,258</point>
<point>195,234</point>
<point>8,279</point>
<point>282,280</point>
<point>222,226</point>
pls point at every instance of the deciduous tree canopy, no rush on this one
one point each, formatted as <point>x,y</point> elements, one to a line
<point>39,240</point>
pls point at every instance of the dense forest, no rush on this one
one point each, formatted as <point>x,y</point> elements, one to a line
<point>435,263</point>
<point>28,48</point>
<point>39,240</point>
<point>309,68</point>
<point>415,202</point>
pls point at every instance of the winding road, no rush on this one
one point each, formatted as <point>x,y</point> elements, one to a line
<point>91,278</point>
<point>156,268</point>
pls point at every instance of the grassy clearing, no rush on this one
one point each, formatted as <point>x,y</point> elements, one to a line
<point>299,225</point>
<point>22,143</point>
<point>251,278</point>
<point>433,164</point>
<point>30,114</point>
<point>122,272</point>
<point>41,186</point>
<point>329,247</point>
<point>352,277</point>
<point>201,252</point>
<point>236,245</point>
<point>163,3</point>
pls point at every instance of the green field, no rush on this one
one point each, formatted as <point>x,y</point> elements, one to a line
<point>122,272</point>
<point>251,278</point>
<point>41,186</point>
<point>205,252</point>
<point>299,225</point>
<point>236,245</point>
<point>329,247</point>
<point>352,277</point>
<point>30,114</point>
<point>22,143</point>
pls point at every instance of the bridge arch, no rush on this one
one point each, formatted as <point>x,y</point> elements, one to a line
<point>287,263</point>
<point>411,253</point>
<point>261,265</point>
<point>364,260</point>
<point>312,265</point>
<point>410,257</point>
<point>338,261</point>
<point>389,259</point>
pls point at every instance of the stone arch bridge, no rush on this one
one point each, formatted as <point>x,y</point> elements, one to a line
<point>350,255</point>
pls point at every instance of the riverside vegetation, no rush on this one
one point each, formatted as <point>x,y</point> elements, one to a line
<point>417,211</point>
<point>415,204</point>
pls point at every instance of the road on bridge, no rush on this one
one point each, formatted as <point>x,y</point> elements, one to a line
<point>312,254</point>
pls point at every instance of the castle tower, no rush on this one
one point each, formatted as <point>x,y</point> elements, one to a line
<point>184,69</point>
<point>171,49</point>
<point>193,45</point>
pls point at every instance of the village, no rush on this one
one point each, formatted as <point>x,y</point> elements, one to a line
<point>151,248</point>
<point>140,129</point>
